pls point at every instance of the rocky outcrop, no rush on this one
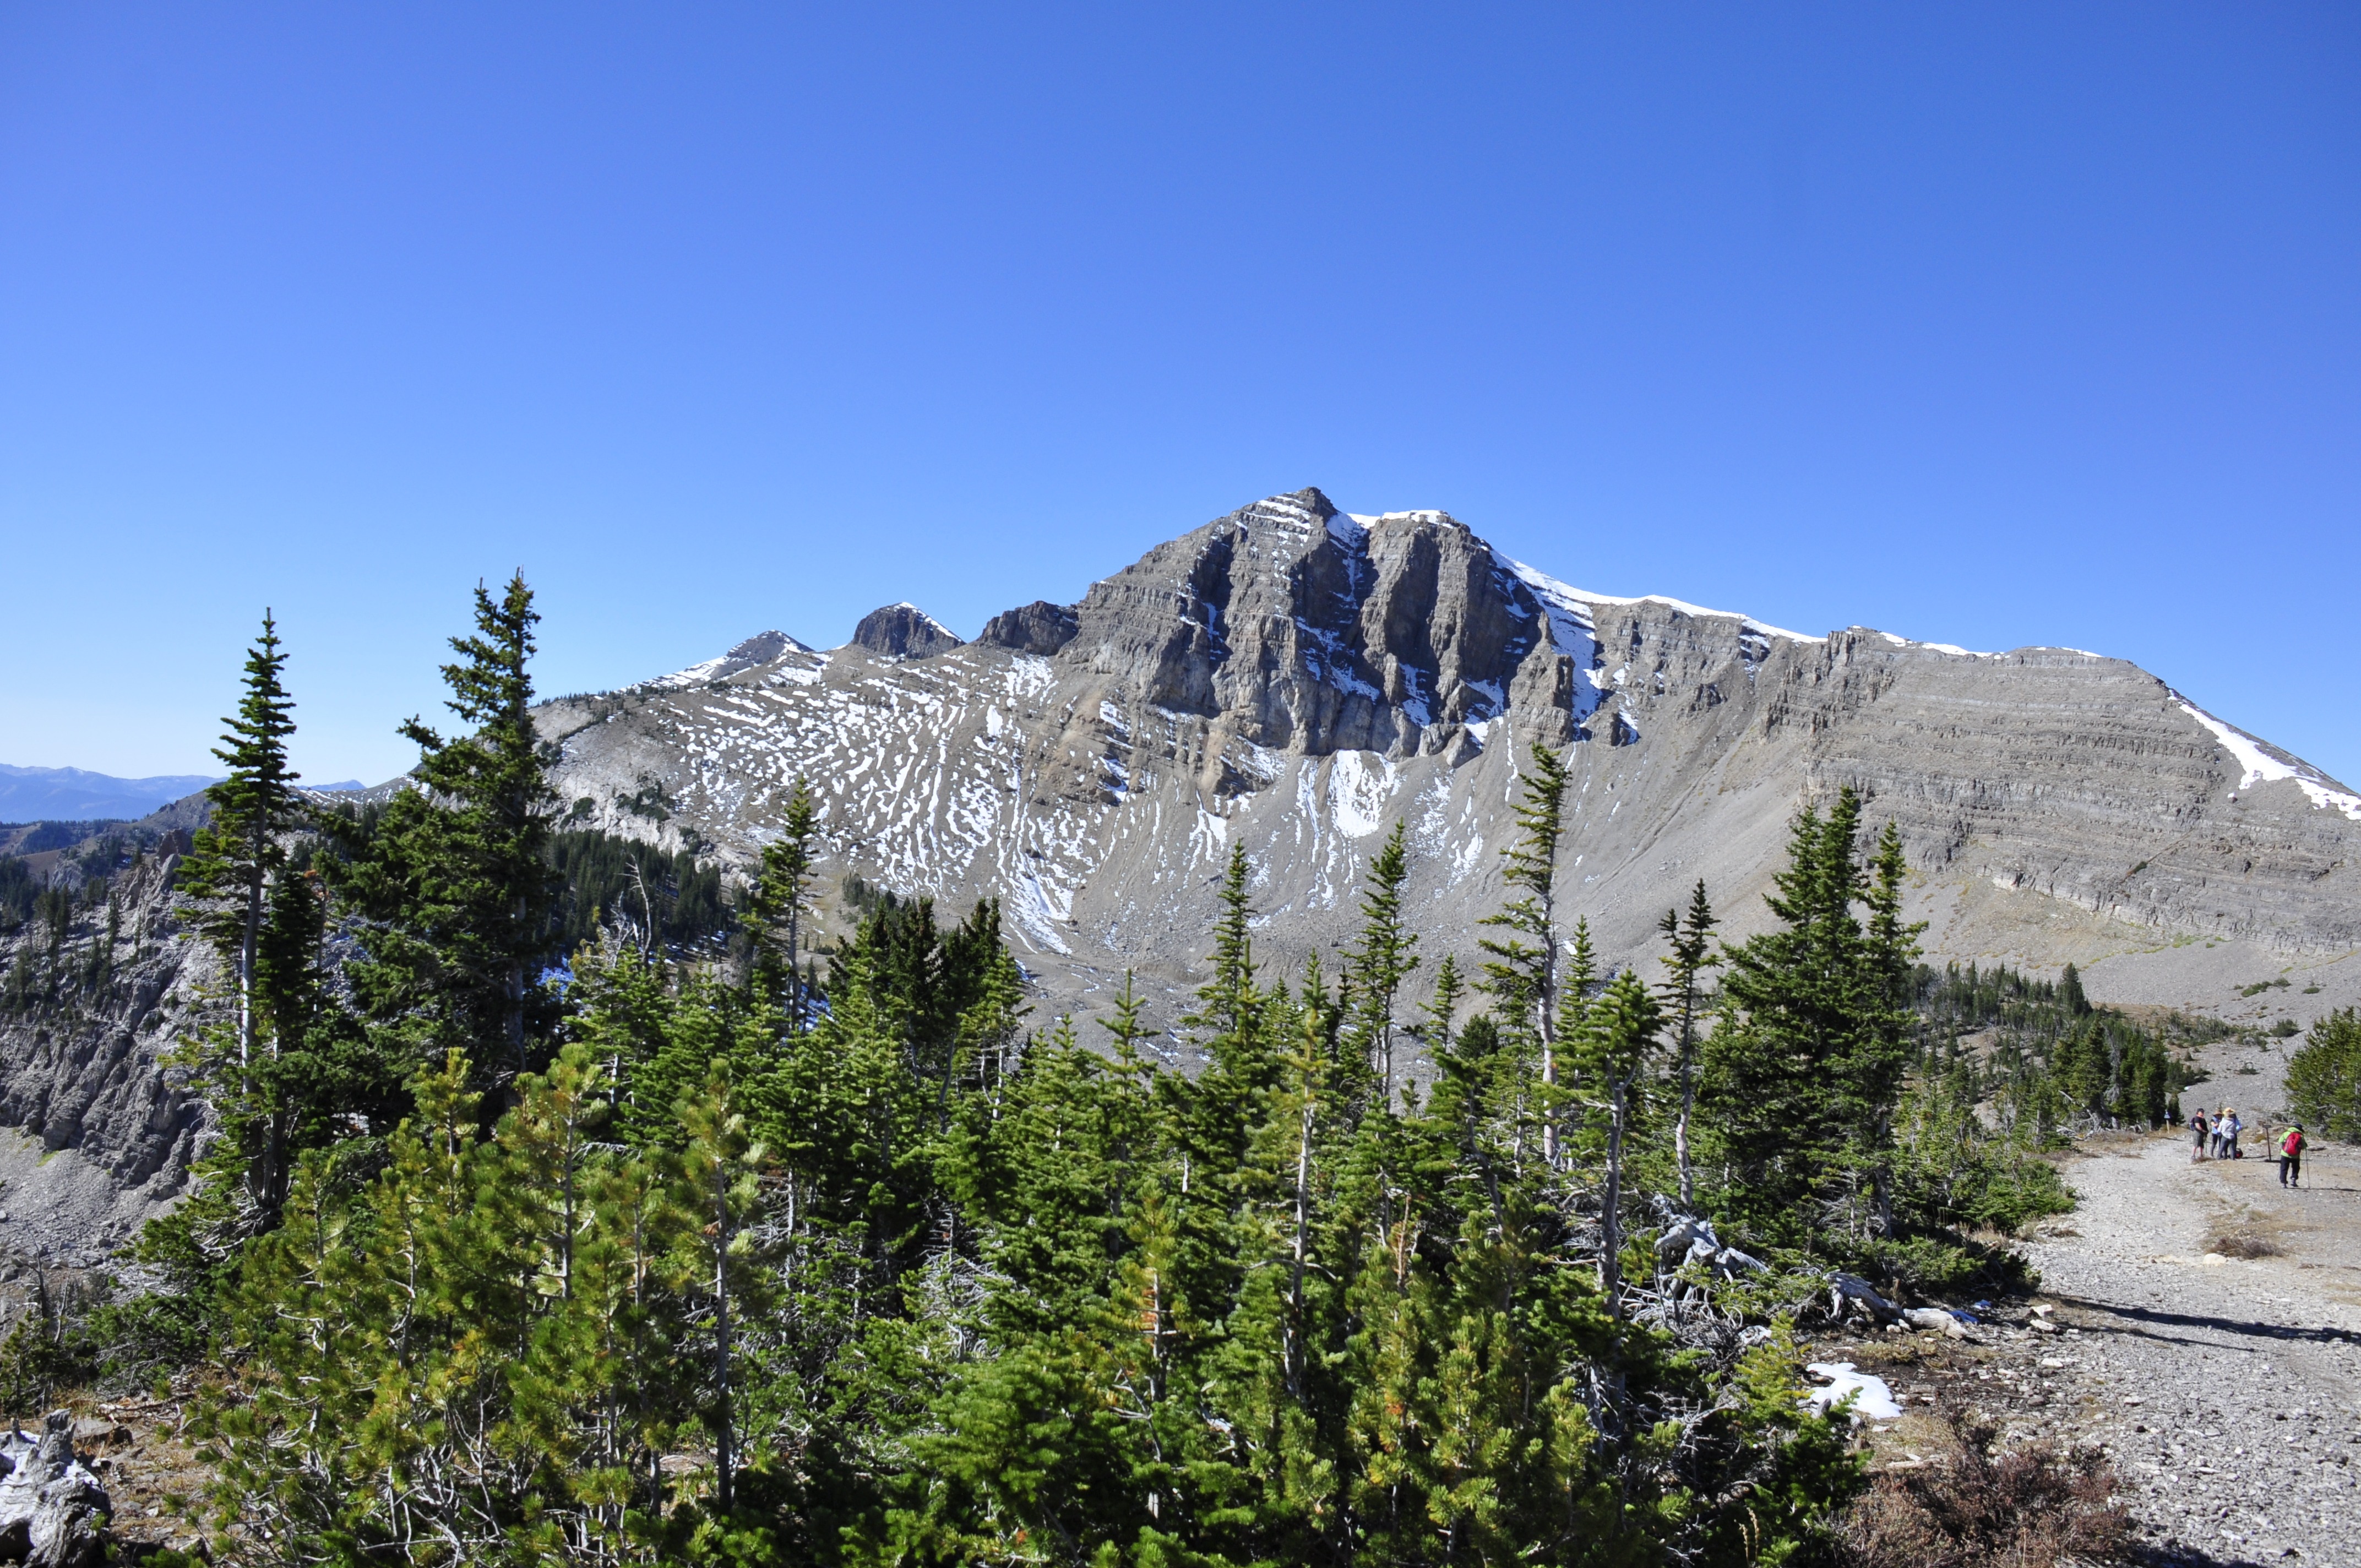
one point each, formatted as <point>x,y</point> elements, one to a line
<point>1037,628</point>
<point>54,1512</point>
<point>100,1128</point>
<point>904,632</point>
<point>1303,627</point>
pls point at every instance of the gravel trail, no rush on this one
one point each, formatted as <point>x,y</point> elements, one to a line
<point>2228,1388</point>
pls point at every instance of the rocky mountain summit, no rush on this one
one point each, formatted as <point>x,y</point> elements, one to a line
<point>1298,679</point>
<point>904,632</point>
<point>758,648</point>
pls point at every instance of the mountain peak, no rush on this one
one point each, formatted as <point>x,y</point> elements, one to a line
<point>758,648</point>
<point>904,632</point>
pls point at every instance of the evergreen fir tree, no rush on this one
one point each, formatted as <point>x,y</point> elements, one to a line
<point>1803,1077</point>
<point>453,892</point>
<point>1386,955</point>
<point>1615,1039</point>
<point>227,874</point>
<point>775,905</point>
<point>1690,941</point>
<point>1522,969</point>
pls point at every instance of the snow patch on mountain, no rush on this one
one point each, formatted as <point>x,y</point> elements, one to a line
<point>758,648</point>
<point>1361,783</point>
<point>1953,649</point>
<point>2263,762</point>
<point>1572,599</point>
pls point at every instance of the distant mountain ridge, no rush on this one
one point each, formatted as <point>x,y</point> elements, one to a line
<point>1298,678</point>
<point>51,794</point>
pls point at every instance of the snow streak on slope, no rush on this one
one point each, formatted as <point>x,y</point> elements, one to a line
<point>1573,600</point>
<point>2264,764</point>
<point>758,648</point>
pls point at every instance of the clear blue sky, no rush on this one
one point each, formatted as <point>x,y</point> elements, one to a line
<point>1981,325</point>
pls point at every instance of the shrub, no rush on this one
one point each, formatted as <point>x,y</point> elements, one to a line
<point>2323,1079</point>
<point>2035,1505</point>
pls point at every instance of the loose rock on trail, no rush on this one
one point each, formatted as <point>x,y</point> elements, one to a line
<point>2227,1389</point>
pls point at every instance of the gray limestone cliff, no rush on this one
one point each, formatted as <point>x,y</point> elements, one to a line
<point>98,1128</point>
<point>903,631</point>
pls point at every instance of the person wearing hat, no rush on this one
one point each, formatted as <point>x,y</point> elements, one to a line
<point>2291,1157</point>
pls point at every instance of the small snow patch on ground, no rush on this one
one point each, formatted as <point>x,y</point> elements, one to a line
<point>1872,1399</point>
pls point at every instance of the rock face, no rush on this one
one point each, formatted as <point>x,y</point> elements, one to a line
<point>903,631</point>
<point>1037,628</point>
<point>96,1131</point>
<point>52,1510</point>
<point>1299,680</point>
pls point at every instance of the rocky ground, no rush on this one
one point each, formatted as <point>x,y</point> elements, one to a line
<point>2224,1387</point>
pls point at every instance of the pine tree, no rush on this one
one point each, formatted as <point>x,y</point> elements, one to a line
<point>1879,1056</point>
<point>1691,955</point>
<point>454,894</point>
<point>1218,1109</point>
<point>1617,1034</point>
<point>719,1187</point>
<point>233,860</point>
<point>1385,957</point>
<point>775,905</point>
<point>2323,1079</point>
<point>1803,1079</point>
<point>1522,971</point>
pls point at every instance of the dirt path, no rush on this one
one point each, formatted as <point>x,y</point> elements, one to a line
<point>2228,1388</point>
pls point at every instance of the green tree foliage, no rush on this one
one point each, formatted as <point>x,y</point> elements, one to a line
<point>2052,1061</point>
<point>478,1357</point>
<point>1805,1066</point>
<point>778,901</point>
<point>904,1287</point>
<point>670,902</point>
<point>1379,964</point>
<point>2323,1078</point>
<point>1521,967</point>
<point>227,876</point>
<point>453,892</point>
<point>1843,1119</point>
<point>1688,942</point>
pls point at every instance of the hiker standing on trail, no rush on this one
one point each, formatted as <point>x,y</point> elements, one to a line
<point>2291,1157</point>
<point>2200,1127</point>
<point>2219,1116</point>
<point>2230,1129</point>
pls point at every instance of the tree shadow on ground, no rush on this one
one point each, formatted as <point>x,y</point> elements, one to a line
<point>2157,1324</point>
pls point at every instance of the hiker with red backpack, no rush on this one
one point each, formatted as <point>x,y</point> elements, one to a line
<point>2291,1157</point>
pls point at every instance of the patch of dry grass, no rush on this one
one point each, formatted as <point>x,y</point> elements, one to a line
<point>2243,1243</point>
<point>2035,1505</point>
